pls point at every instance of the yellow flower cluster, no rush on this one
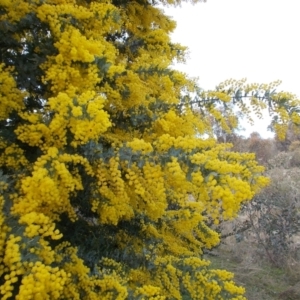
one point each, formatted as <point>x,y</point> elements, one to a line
<point>140,145</point>
<point>169,279</point>
<point>232,288</point>
<point>229,193</point>
<point>295,118</point>
<point>199,158</point>
<point>84,126</point>
<point>10,262</point>
<point>107,285</point>
<point>149,191</point>
<point>197,179</point>
<point>12,252</point>
<point>74,45</point>
<point>149,291</point>
<point>177,126</point>
<point>222,167</point>
<point>11,98</point>
<point>219,95</point>
<point>33,135</point>
<point>4,229</point>
<point>16,9</point>
<point>200,282</point>
<point>48,189</point>
<point>176,181</point>
<point>65,73</point>
<point>170,240</point>
<point>6,290</point>
<point>211,287</point>
<point>281,130</point>
<point>138,92</point>
<point>43,282</point>
<point>136,14</point>
<point>154,183</point>
<point>207,236</point>
<point>72,80</point>
<point>12,156</point>
<point>195,262</point>
<point>39,225</point>
<point>40,193</point>
<point>111,186</point>
<point>90,128</point>
<point>173,274</point>
<point>223,274</point>
<point>187,143</point>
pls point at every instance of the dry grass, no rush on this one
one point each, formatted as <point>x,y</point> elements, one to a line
<point>255,273</point>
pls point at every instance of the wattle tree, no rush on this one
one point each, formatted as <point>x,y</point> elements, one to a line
<point>111,178</point>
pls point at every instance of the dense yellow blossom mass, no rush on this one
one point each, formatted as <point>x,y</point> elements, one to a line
<point>110,175</point>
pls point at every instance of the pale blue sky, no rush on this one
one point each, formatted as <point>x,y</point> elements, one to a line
<point>253,39</point>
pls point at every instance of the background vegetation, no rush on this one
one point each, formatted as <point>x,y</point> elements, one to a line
<point>262,246</point>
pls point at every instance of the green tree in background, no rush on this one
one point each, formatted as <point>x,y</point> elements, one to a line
<point>111,178</point>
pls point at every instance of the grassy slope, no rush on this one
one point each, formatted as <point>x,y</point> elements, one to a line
<point>261,280</point>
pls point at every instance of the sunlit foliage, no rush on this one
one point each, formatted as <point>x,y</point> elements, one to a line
<point>111,178</point>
